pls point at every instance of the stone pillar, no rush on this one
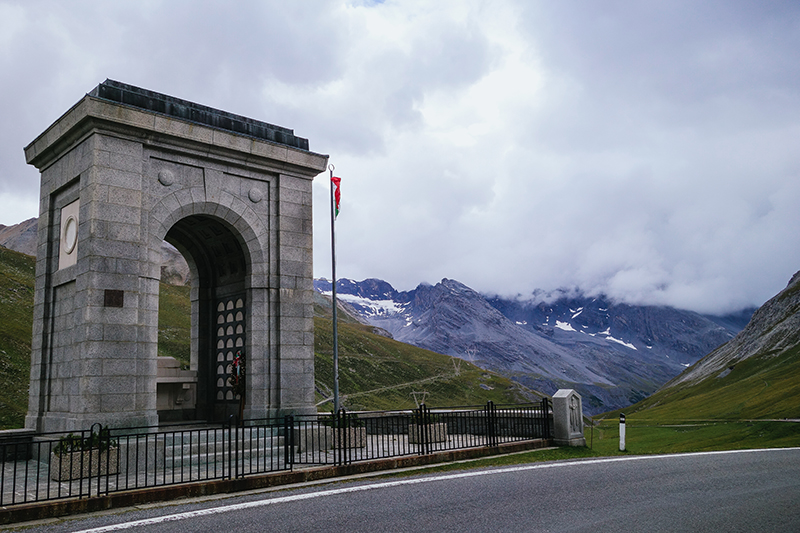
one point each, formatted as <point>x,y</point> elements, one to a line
<point>568,418</point>
<point>124,169</point>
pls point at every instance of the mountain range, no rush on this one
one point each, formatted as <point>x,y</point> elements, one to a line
<point>614,354</point>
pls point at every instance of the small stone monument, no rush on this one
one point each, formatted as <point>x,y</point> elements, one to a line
<point>568,418</point>
<point>122,171</point>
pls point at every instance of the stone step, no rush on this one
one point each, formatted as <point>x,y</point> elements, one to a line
<point>243,445</point>
<point>201,445</point>
<point>269,455</point>
<point>194,448</point>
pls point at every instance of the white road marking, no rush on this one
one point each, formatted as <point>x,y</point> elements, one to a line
<point>387,484</point>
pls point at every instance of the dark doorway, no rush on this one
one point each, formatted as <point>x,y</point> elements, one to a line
<point>219,268</point>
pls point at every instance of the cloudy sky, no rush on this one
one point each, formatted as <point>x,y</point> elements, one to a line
<point>646,150</point>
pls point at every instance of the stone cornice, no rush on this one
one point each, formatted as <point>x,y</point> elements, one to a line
<point>92,113</point>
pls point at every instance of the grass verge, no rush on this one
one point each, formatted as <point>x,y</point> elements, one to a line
<point>643,438</point>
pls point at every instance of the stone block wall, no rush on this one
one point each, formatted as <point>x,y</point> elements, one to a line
<point>238,206</point>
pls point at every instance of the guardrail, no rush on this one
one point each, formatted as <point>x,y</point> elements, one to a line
<point>99,461</point>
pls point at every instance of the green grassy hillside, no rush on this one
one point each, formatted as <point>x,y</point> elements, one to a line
<point>174,322</point>
<point>761,387</point>
<point>755,376</point>
<point>16,317</point>
<point>754,403</point>
<point>377,373</point>
<point>380,373</point>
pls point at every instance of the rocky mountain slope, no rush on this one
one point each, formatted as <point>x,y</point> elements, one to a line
<point>20,237</point>
<point>752,377</point>
<point>773,330</point>
<point>614,354</point>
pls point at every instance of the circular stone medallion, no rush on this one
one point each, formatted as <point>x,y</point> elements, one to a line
<point>166,177</point>
<point>70,234</point>
<point>255,195</point>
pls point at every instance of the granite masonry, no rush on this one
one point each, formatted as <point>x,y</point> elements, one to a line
<point>568,418</point>
<point>123,170</point>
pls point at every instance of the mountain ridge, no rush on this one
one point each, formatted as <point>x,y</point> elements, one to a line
<point>613,353</point>
<point>752,377</point>
<point>773,329</point>
<point>22,237</point>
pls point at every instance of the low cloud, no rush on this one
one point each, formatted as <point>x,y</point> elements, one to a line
<point>644,151</point>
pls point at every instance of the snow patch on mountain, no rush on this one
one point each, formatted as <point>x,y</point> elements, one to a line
<point>622,342</point>
<point>370,307</point>
<point>566,326</point>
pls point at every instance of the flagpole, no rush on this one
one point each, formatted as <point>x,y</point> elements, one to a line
<point>333,300</point>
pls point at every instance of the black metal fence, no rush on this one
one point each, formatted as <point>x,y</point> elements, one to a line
<point>100,460</point>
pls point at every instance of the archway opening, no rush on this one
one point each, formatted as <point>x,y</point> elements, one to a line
<point>218,306</point>
<point>176,382</point>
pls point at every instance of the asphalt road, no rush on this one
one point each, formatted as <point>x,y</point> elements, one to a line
<point>756,490</point>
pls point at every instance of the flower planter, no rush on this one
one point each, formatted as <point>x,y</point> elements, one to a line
<point>353,437</point>
<point>436,433</point>
<point>75,465</point>
<point>324,438</point>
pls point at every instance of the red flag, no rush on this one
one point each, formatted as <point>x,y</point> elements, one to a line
<point>337,193</point>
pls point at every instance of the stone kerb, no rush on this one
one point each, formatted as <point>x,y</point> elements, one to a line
<point>568,418</point>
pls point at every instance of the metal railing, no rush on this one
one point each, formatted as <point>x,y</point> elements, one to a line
<point>99,461</point>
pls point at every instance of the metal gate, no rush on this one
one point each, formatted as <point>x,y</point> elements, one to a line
<point>230,342</point>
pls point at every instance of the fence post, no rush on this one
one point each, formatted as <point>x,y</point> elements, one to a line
<point>341,425</point>
<point>288,441</point>
<point>104,449</point>
<point>419,414</point>
<point>90,447</point>
<point>227,457</point>
<point>236,443</point>
<point>337,439</point>
<point>344,433</point>
<point>421,419</point>
<point>425,423</point>
<point>546,421</point>
<point>491,429</point>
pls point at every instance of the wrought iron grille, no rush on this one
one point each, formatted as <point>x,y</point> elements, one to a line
<point>230,340</point>
<point>100,461</point>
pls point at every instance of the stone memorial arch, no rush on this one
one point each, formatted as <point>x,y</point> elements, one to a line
<point>123,170</point>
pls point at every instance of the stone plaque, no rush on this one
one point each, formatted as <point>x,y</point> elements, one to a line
<point>68,235</point>
<point>568,418</point>
<point>113,298</point>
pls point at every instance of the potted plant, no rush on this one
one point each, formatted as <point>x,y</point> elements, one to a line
<point>78,456</point>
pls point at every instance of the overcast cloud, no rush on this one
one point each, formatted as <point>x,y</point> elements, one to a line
<point>646,150</point>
